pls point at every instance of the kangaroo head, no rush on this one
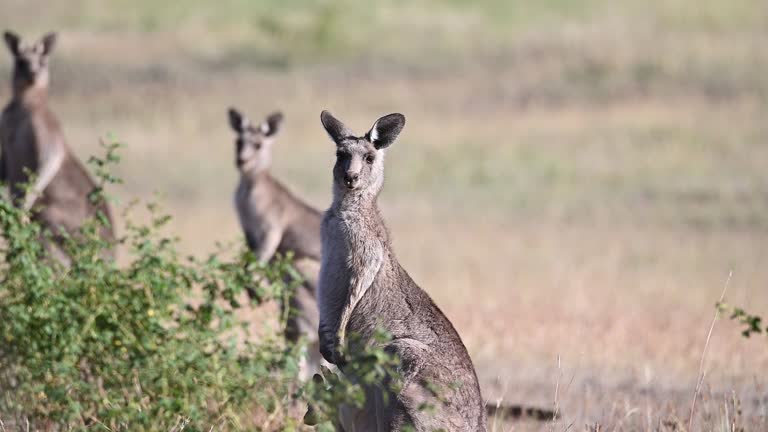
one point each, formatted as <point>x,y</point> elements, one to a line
<point>254,141</point>
<point>359,164</point>
<point>30,60</point>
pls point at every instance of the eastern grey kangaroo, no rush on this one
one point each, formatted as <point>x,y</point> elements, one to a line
<point>363,287</point>
<point>274,220</point>
<point>32,141</point>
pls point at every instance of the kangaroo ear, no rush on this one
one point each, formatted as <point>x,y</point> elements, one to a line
<point>335,128</point>
<point>49,42</point>
<point>271,126</point>
<point>237,121</point>
<point>385,131</point>
<point>12,41</point>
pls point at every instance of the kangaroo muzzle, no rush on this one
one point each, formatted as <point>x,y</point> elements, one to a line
<point>351,180</point>
<point>352,173</point>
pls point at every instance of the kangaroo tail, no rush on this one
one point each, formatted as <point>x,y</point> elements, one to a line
<point>509,412</point>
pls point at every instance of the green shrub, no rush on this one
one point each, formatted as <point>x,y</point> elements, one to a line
<point>371,366</point>
<point>153,344</point>
<point>753,324</point>
<point>123,347</point>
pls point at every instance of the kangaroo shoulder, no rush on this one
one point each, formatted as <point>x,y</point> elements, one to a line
<point>242,193</point>
<point>11,117</point>
<point>5,114</point>
<point>329,222</point>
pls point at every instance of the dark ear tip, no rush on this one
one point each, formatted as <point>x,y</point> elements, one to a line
<point>235,119</point>
<point>49,41</point>
<point>325,117</point>
<point>50,38</point>
<point>234,112</point>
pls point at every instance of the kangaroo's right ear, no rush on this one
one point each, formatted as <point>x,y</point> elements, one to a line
<point>272,124</point>
<point>385,131</point>
<point>12,41</point>
<point>335,128</point>
<point>49,42</point>
<point>237,120</point>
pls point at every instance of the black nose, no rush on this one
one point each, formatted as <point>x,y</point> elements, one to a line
<point>350,178</point>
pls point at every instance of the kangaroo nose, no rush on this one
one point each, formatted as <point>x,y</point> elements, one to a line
<point>350,178</point>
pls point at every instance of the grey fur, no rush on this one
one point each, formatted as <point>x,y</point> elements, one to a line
<point>363,288</point>
<point>32,140</point>
<point>276,221</point>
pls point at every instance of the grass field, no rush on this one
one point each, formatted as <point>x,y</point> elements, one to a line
<point>576,180</point>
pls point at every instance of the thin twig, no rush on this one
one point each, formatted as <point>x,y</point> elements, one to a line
<point>557,393</point>
<point>702,372</point>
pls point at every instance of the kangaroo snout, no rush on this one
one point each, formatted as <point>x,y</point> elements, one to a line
<point>352,169</point>
<point>351,179</point>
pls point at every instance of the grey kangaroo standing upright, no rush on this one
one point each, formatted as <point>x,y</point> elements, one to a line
<point>32,141</point>
<point>274,220</point>
<point>363,287</point>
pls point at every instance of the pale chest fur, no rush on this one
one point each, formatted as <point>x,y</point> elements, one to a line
<point>354,252</point>
<point>254,209</point>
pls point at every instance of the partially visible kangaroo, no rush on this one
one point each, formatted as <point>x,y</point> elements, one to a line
<point>32,141</point>
<point>274,220</point>
<point>363,288</point>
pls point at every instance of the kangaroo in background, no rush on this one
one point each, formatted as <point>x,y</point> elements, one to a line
<point>32,141</point>
<point>363,287</point>
<point>274,220</point>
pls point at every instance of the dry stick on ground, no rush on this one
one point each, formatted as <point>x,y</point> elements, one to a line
<point>702,372</point>
<point>556,409</point>
<point>557,393</point>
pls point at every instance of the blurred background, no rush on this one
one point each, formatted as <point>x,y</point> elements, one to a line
<point>575,183</point>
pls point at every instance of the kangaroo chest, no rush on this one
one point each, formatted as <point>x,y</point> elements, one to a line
<point>255,209</point>
<point>18,143</point>
<point>358,258</point>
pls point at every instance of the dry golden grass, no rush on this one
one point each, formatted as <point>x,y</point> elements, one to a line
<point>580,191</point>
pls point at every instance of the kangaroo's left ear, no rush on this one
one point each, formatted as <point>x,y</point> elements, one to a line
<point>237,121</point>
<point>49,42</point>
<point>12,41</point>
<point>385,131</point>
<point>272,124</point>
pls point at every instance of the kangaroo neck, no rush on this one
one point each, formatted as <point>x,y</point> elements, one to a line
<point>255,178</point>
<point>353,203</point>
<point>30,96</point>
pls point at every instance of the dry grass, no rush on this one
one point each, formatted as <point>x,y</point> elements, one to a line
<point>575,186</point>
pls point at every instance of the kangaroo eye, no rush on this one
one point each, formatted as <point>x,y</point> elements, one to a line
<point>258,146</point>
<point>369,159</point>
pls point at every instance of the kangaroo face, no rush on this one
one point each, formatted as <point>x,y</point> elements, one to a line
<point>253,145</point>
<point>30,60</point>
<point>359,165</point>
<point>360,160</point>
